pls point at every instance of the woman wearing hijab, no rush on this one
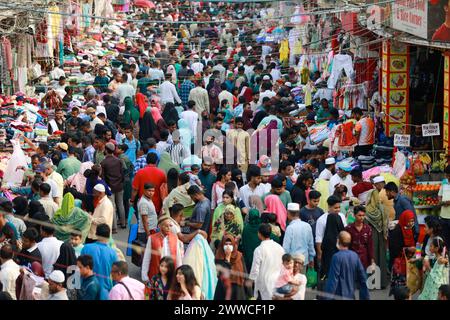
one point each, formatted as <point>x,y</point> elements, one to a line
<point>255,202</point>
<point>231,281</point>
<point>246,92</point>
<point>301,189</point>
<point>78,180</point>
<point>250,240</point>
<point>68,218</point>
<point>378,220</point>
<point>172,179</point>
<point>236,176</point>
<point>147,126</point>
<point>131,114</point>
<point>142,103</point>
<point>171,70</point>
<point>247,116</point>
<point>170,113</point>
<point>333,226</point>
<point>218,188</point>
<point>402,242</point>
<point>166,163</point>
<point>186,137</point>
<point>213,94</point>
<point>227,223</point>
<point>274,205</point>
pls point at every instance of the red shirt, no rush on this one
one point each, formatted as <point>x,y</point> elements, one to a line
<point>362,243</point>
<point>442,33</point>
<point>361,187</point>
<point>150,174</point>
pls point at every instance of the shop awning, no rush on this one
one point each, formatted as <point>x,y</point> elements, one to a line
<point>389,33</point>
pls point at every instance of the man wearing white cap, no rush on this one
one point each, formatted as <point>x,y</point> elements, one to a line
<point>56,286</point>
<point>388,205</point>
<point>330,169</point>
<point>206,57</point>
<point>298,238</point>
<point>266,89</point>
<point>103,212</point>
<point>342,177</point>
<point>197,66</point>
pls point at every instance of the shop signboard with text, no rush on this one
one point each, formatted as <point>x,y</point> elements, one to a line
<point>426,19</point>
<point>411,16</point>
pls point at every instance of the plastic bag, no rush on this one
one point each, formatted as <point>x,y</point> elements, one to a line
<point>18,159</point>
<point>311,276</point>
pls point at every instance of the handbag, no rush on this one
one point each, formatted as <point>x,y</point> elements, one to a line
<point>137,254</point>
<point>311,276</point>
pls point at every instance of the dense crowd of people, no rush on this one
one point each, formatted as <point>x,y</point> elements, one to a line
<point>189,132</point>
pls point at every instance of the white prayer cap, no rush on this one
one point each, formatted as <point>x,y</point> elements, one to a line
<point>293,206</point>
<point>378,179</point>
<point>57,276</point>
<point>329,161</point>
<point>288,84</point>
<point>100,188</point>
<point>266,78</point>
<point>299,257</point>
<point>216,51</point>
<point>207,51</point>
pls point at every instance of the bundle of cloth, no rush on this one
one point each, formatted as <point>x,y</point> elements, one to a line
<point>201,258</point>
<point>70,218</point>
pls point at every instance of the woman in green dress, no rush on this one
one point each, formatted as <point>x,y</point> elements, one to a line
<point>227,200</point>
<point>250,240</point>
<point>378,220</point>
<point>439,273</point>
<point>227,223</point>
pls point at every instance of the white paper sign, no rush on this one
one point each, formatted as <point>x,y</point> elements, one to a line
<point>411,16</point>
<point>430,129</point>
<point>402,140</point>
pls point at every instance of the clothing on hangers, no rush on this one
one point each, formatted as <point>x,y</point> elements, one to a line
<point>340,62</point>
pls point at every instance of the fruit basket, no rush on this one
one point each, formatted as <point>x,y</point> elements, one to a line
<point>425,195</point>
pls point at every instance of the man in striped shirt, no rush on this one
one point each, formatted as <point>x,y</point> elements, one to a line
<point>177,150</point>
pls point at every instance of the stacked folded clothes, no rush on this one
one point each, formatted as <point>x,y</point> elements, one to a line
<point>367,162</point>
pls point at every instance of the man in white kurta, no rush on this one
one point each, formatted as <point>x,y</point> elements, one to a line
<point>266,264</point>
<point>342,177</point>
<point>103,213</point>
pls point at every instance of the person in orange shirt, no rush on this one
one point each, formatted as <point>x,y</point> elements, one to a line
<point>364,133</point>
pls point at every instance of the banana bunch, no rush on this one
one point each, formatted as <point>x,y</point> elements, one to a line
<point>425,158</point>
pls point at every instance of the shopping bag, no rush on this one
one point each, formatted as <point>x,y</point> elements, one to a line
<point>132,236</point>
<point>311,276</point>
<point>130,215</point>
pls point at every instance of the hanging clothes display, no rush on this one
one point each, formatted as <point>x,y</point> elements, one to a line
<point>284,51</point>
<point>340,62</point>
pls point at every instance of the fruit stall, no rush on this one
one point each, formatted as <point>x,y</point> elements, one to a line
<point>418,184</point>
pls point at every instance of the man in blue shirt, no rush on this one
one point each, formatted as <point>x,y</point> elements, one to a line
<point>299,237</point>
<point>90,287</point>
<point>345,270</point>
<point>401,203</point>
<point>102,255</point>
<point>132,143</point>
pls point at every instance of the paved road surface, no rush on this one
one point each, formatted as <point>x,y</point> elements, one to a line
<point>121,239</point>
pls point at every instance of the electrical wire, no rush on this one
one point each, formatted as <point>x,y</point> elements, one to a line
<point>30,9</point>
